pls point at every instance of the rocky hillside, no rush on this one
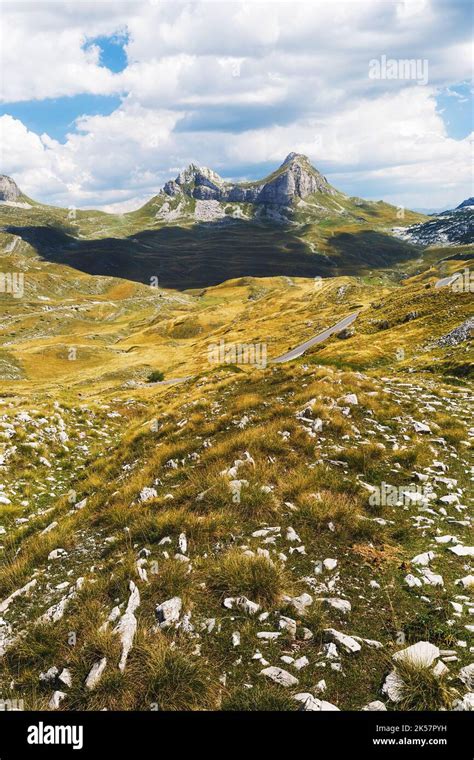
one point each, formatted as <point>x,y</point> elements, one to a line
<point>237,536</point>
<point>454,227</point>
<point>297,538</point>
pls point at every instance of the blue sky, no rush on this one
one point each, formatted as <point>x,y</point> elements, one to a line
<point>111,102</point>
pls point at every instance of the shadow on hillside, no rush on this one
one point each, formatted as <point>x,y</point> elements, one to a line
<point>209,253</point>
<point>369,249</point>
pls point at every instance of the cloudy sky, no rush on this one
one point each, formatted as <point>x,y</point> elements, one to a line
<point>102,102</point>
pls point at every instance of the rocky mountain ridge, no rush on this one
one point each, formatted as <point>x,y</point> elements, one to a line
<point>294,179</point>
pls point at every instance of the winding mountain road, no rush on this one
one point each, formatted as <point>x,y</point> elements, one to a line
<point>293,354</point>
<point>445,281</point>
<point>299,350</point>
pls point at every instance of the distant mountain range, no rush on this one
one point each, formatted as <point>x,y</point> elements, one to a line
<point>201,230</point>
<point>452,227</point>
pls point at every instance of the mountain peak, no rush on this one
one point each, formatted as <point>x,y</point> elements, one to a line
<point>294,179</point>
<point>299,157</point>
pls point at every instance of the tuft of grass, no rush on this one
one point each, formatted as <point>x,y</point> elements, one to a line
<point>238,574</point>
<point>341,509</point>
<point>260,698</point>
<point>316,620</point>
<point>165,678</point>
<point>422,690</point>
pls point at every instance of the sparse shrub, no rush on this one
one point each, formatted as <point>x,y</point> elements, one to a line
<point>156,376</point>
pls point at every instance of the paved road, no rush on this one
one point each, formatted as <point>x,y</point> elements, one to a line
<point>173,381</point>
<point>446,281</point>
<point>299,350</point>
<point>293,354</point>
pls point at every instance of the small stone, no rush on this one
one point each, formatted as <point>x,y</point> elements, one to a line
<point>376,706</point>
<point>57,554</point>
<point>241,602</point>
<point>466,675</point>
<point>462,551</point>
<point>56,699</point>
<point>301,602</point>
<point>393,687</point>
<point>412,581</point>
<point>466,703</point>
<point>65,677</point>
<point>300,663</point>
<point>421,427</point>
<point>421,654</point>
<point>342,605</point>
<point>168,612</point>
<point>351,399</point>
<point>291,535</point>
<point>95,673</point>
<point>313,704</point>
<point>423,559</point>
<point>347,642</point>
<point>50,675</point>
<point>280,676</point>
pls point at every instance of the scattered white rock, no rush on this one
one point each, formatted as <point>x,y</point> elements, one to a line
<point>279,675</point>
<point>313,704</point>
<point>56,700</point>
<point>393,687</point>
<point>421,654</point>
<point>65,677</point>
<point>147,494</point>
<point>347,642</point>
<point>242,603</point>
<point>127,625</point>
<point>168,612</point>
<point>421,427</point>
<point>376,706</point>
<point>95,674</point>
<point>423,559</point>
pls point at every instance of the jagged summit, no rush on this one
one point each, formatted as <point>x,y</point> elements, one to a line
<point>296,157</point>
<point>9,190</point>
<point>294,179</point>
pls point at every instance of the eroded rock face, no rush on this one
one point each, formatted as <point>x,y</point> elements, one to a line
<point>9,190</point>
<point>296,178</point>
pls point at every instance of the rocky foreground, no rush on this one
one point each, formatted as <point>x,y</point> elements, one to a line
<point>290,539</point>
